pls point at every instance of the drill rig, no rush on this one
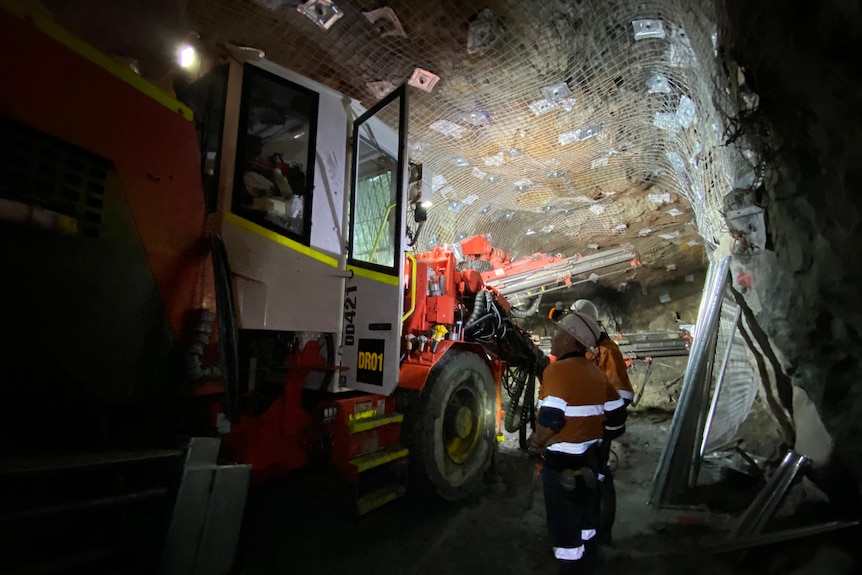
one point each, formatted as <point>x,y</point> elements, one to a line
<point>232,265</point>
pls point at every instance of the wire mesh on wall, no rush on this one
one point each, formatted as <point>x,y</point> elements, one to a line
<point>556,126</point>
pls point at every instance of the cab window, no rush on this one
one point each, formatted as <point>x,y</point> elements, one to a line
<point>275,154</point>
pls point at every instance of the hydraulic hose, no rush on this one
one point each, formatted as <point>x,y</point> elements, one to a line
<point>202,332</point>
<point>227,327</point>
<point>479,306</point>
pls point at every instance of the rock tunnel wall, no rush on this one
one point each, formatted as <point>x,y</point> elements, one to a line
<point>801,59</point>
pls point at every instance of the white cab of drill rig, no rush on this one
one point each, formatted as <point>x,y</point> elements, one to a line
<point>315,242</point>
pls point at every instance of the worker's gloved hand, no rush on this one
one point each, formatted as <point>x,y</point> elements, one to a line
<point>533,446</point>
<point>542,361</point>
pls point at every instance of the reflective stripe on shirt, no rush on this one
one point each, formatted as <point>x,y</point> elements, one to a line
<point>572,448</point>
<point>569,553</point>
<point>584,410</point>
<point>554,403</point>
<point>626,394</point>
<point>615,404</point>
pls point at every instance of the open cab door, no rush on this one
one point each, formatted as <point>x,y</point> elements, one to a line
<point>373,298</point>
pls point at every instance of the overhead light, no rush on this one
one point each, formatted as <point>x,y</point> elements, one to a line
<point>187,56</point>
<point>298,135</point>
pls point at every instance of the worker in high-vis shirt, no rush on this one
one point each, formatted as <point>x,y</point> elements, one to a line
<point>610,360</point>
<point>573,397</point>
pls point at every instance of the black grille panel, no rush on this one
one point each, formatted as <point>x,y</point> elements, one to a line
<point>41,170</point>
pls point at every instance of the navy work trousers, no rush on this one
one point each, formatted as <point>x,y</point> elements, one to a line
<point>571,522</point>
<point>606,502</point>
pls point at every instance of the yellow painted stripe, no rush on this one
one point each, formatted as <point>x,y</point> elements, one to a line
<point>367,414</point>
<point>375,422</point>
<point>280,239</point>
<point>374,275</point>
<point>379,498</point>
<point>64,37</point>
<point>378,458</point>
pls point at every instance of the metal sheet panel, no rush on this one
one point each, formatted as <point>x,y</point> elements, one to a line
<point>302,293</point>
<point>673,473</point>
<point>223,520</point>
<point>190,513</point>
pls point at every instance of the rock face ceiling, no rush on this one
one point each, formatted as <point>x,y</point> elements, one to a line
<point>556,126</point>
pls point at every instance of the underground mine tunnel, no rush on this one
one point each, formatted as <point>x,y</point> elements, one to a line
<point>216,357</point>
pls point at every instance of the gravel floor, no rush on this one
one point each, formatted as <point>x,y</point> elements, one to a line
<point>296,526</point>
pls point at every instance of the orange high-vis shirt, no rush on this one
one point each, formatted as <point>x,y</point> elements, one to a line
<point>577,387</point>
<point>610,360</point>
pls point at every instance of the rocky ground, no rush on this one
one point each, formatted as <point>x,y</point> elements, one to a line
<point>298,527</point>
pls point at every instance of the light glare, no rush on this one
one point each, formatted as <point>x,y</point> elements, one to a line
<point>188,57</point>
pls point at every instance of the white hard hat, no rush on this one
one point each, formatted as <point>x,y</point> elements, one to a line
<point>587,308</point>
<point>581,327</point>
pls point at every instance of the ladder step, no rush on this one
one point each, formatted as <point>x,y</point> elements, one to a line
<point>380,497</point>
<point>378,458</point>
<point>366,423</point>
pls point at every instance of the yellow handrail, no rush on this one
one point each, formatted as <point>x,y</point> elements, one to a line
<point>410,311</point>
<point>380,232</point>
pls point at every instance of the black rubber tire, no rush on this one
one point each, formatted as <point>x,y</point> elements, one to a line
<point>459,395</point>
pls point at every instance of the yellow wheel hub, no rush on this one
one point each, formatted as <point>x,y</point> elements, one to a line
<point>464,422</point>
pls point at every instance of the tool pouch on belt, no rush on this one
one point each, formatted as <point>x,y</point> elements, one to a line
<point>578,474</point>
<point>581,478</point>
